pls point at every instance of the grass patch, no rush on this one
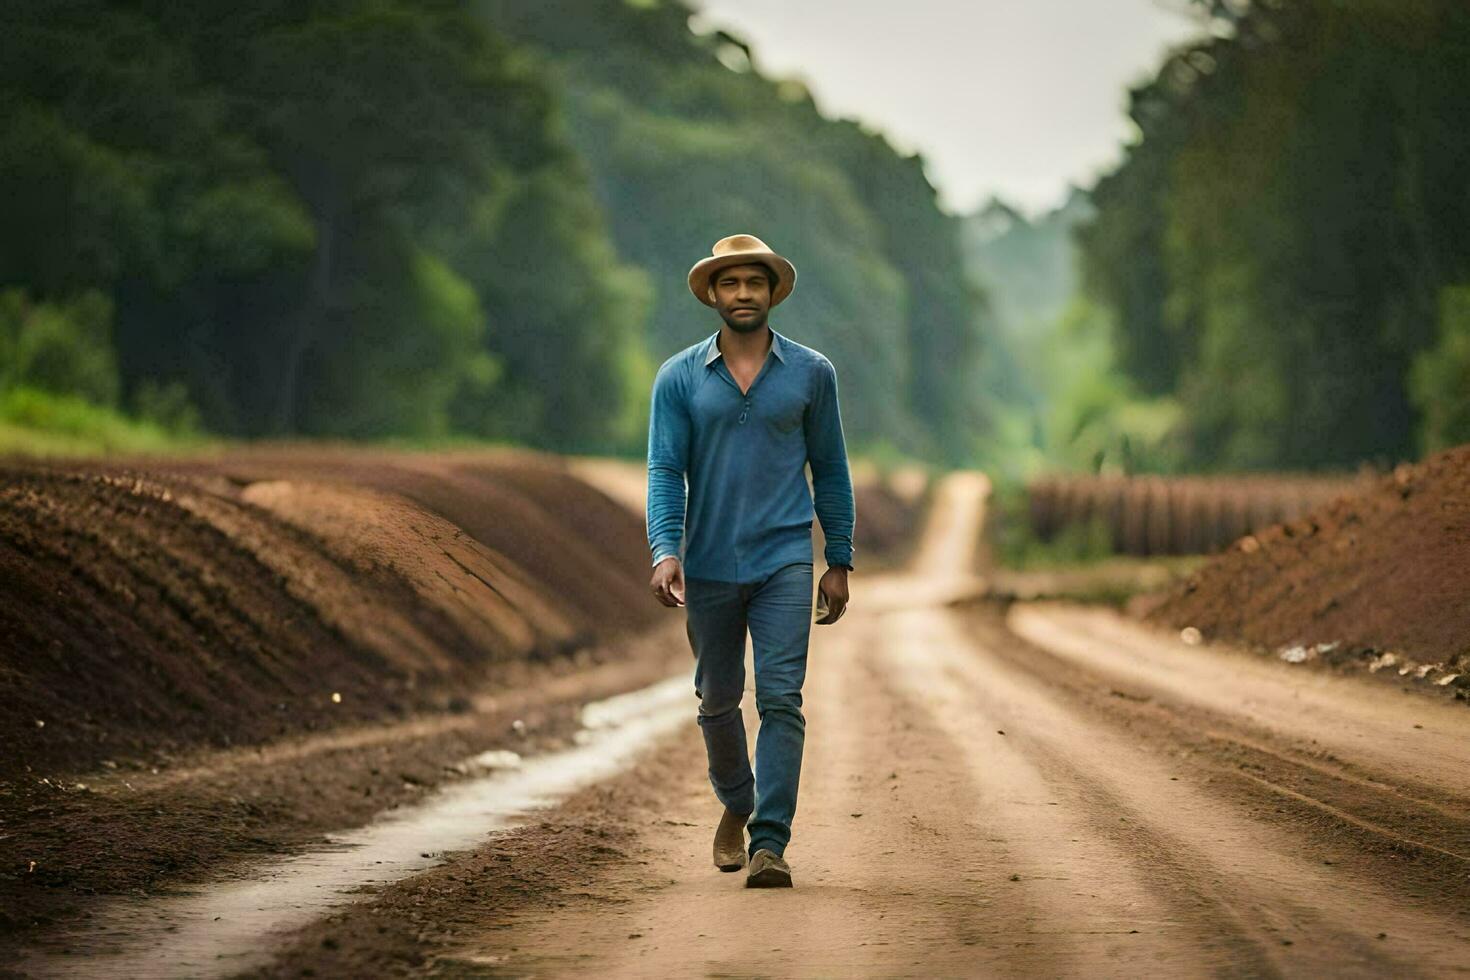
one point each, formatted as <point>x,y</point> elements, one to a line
<point>38,423</point>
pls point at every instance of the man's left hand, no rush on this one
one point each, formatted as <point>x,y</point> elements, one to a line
<point>834,589</point>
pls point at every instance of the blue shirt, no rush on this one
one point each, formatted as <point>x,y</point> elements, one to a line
<point>749,507</point>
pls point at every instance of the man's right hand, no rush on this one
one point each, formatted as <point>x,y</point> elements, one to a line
<point>668,582</point>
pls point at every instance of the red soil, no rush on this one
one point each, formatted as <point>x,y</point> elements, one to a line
<point>1384,571</point>
<point>155,605</point>
<point>151,606</point>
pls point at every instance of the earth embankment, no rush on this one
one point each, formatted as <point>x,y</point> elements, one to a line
<point>210,659</point>
<point>154,605</point>
<point>1378,580</point>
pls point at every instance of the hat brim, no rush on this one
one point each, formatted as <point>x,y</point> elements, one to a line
<point>704,270</point>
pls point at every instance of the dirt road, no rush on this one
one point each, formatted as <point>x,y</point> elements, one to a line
<point>1050,793</point>
<point>1024,791</point>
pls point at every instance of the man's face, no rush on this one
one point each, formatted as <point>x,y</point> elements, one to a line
<point>742,296</point>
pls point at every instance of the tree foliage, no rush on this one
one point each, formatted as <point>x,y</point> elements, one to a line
<point>1274,248</point>
<point>1440,379</point>
<point>293,208</point>
<point>424,218</point>
<point>687,143</point>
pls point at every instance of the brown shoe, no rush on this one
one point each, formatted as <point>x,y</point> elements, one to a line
<point>768,870</point>
<point>730,841</point>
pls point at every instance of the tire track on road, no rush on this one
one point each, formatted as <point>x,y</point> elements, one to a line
<point>1340,720</point>
<point>1101,911</point>
<point>1391,774</point>
<point>1302,912</point>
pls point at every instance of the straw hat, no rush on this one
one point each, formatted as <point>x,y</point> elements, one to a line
<point>741,250</point>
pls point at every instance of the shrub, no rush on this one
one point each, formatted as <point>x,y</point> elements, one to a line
<point>64,348</point>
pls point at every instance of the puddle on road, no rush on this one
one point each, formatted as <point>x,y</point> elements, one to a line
<point>225,928</point>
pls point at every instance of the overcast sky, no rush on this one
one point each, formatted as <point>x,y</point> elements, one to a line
<point>1015,97</point>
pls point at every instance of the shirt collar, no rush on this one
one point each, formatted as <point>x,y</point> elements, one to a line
<point>714,348</point>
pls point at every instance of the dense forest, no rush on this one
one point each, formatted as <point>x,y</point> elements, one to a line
<point>351,219</point>
<point>1285,252</point>
<point>688,142</point>
<point>369,218</point>
<point>428,220</point>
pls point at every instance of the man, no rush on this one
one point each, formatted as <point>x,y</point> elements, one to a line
<point>741,413</point>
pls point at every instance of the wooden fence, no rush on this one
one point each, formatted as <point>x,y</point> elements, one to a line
<point>1180,515</point>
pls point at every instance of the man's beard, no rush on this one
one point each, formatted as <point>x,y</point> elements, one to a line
<point>744,326</point>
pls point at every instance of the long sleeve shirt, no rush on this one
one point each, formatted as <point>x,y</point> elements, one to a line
<point>748,506</point>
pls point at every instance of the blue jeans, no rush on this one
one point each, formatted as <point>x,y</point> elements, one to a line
<point>778,612</point>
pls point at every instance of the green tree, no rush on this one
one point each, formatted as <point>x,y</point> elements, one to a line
<point>687,142</point>
<point>61,348</point>
<point>290,205</point>
<point>1273,246</point>
<point>1440,381</point>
